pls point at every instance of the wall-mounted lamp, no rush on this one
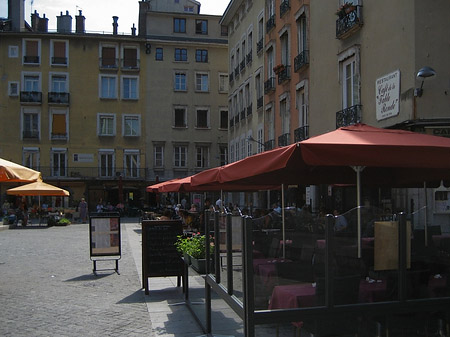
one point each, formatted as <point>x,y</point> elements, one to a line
<point>251,139</point>
<point>422,74</point>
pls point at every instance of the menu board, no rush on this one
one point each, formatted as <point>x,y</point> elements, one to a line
<point>105,235</point>
<point>159,255</point>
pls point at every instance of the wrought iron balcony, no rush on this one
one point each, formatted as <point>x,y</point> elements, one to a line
<point>269,145</point>
<point>349,22</point>
<point>236,71</point>
<point>236,119</point>
<point>231,77</point>
<point>242,65</point>
<point>30,134</point>
<point>284,7</point>
<point>31,59</point>
<point>270,24</point>
<point>249,57</point>
<point>58,97</point>
<point>249,109</point>
<point>59,136</point>
<point>284,139</point>
<point>59,61</point>
<point>242,114</point>
<point>231,122</point>
<point>301,133</point>
<point>94,172</point>
<point>130,64</point>
<point>269,85</point>
<point>31,97</point>
<point>348,116</point>
<point>259,102</point>
<point>108,63</point>
<point>301,60</point>
<point>284,74</point>
<point>259,46</point>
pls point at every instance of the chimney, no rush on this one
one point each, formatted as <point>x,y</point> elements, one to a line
<point>64,23</point>
<point>115,25</point>
<point>79,23</point>
<point>133,30</point>
<point>34,20</point>
<point>16,13</point>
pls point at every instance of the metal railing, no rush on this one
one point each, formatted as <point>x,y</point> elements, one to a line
<point>301,60</point>
<point>249,109</point>
<point>269,85</point>
<point>259,102</point>
<point>231,77</point>
<point>242,67</point>
<point>270,24</point>
<point>85,173</point>
<point>348,116</point>
<point>301,133</point>
<point>249,57</point>
<point>30,134</point>
<point>284,7</point>
<point>349,22</point>
<point>242,114</point>
<point>284,139</point>
<point>59,97</point>
<point>130,64</point>
<point>269,145</point>
<point>31,97</point>
<point>31,59</point>
<point>284,74</point>
<point>108,63</point>
<point>59,60</point>
<point>259,46</point>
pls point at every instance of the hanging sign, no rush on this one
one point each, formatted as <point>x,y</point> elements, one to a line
<point>387,95</point>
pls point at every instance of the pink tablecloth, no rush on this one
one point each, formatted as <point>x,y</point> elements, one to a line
<point>293,296</point>
<point>372,291</point>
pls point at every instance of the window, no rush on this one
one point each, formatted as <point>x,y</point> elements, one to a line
<point>59,162</point>
<point>180,115</point>
<point>180,82</point>
<point>302,108</point>
<point>32,51</point>
<point>130,58</point>
<point>131,125</point>
<point>285,116</point>
<point>350,83</point>
<point>223,149</point>
<point>284,39</point>
<point>270,63</point>
<point>249,145</point>
<point>58,82</point>
<point>130,87</point>
<point>301,34</point>
<point>224,30</point>
<point>201,27</point>
<point>131,163</point>
<point>13,51</point>
<point>223,119</point>
<point>31,83</point>
<point>201,55</point>
<point>202,82</point>
<point>106,163</point>
<point>223,83</point>
<point>30,123</point>
<point>158,155</point>
<point>106,125</point>
<point>13,88</point>
<point>30,157</point>
<point>189,9</point>
<point>179,25</point>
<point>180,54</point>
<point>260,139</point>
<point>108,57</point>
<point>202,157</point>
<point>108,88</point>
<point>159,54</point>
<point>58,51</point>
<point>180,156</point>
<point>59,125</point>
<point>202,118</point>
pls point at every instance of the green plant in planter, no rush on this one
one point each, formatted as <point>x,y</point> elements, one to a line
<point>63,222</point>
<point>194,246</point>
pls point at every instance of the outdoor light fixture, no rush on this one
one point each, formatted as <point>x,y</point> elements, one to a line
<point>251,139</point>
<point>423,73</point>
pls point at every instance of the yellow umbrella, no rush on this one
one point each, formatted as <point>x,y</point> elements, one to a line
<point>13,172</point>
<point>38,188</point>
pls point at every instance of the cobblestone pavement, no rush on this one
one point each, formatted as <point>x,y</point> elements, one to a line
<point>47,288</point>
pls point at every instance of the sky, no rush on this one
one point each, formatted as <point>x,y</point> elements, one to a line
<point>99,13</point>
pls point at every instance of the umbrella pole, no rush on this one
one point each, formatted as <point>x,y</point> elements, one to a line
<point>358,170</point>
<point>425,216</point>
<point>282,219</point>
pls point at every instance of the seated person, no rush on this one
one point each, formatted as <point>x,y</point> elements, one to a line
<point>340,222</point>
<point>167,215</point>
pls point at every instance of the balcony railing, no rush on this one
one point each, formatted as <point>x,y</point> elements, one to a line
<point>301,133</point>
<point>259,102</point>
<point>348,116</point>
<point>349,23</point>
<point>59,136</point>
<point>284,139</point>
<point>259,46</point>
<point>249,57</point>
<point>82,173</point>
<point>284,7</point>
<point>236,71</point>
<point>236,119</point>
<point>59,61</point>
<point>130,64</point>
<point>249,109</point>
<point>231,122</point>
<point>231,77</point>
<point>269,85</point>
<point>242,67</point>
<point>270,24</point>
<point>301,60</point>
<point>30,134</point>
<point>31,97</point>
<point>31,59</point>
<point>108,63</point>
<point>284,74</point>
<point>242,114</point>
<point>269,145</point>
<point>58,97</point>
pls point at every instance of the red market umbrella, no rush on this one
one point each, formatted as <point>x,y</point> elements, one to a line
<point>12,172</point>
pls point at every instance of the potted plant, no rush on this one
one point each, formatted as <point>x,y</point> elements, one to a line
<point>278,68</point>
<point>194,249</point>
<point>345,9</point>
